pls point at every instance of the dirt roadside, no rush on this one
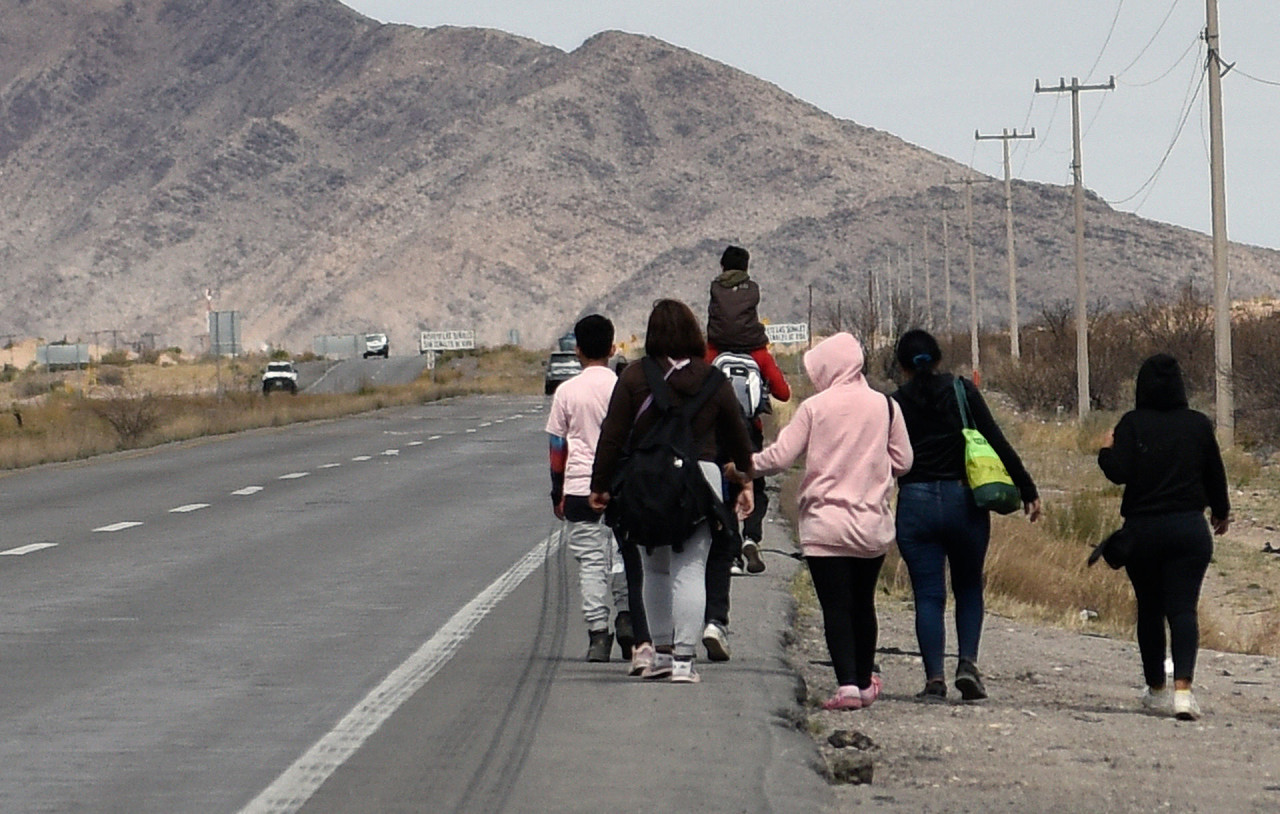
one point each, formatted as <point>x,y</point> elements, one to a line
<point>1063,729</point>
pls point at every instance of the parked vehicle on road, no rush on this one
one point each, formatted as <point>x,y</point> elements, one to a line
<point>376,345</point>
<point>562,366</point>
<point>280,376</point>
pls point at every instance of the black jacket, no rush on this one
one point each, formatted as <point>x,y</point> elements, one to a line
<point>1168,461</point>
<point>933,423</point>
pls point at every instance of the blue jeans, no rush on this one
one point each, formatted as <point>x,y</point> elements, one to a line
<point>938,524</point>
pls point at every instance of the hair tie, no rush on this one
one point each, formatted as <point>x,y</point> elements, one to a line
<point>920,360</point>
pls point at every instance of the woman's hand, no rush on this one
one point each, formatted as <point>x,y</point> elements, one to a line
<point>731,473</point>
<point>1220,524</point>
<point>746,503</point>
<point>598,501</point>
<point>1032,510</point>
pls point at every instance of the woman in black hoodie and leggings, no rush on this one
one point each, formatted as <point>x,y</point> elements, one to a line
<point>1166,456</point>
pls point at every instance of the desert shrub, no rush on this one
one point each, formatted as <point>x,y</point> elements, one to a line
<point>132,417</point>
<point>111,376</point>
<point>116,357</point>
<point>1256,361</point>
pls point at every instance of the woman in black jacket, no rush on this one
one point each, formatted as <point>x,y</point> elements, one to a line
<point>1166,456</point>
<point>939,526</point>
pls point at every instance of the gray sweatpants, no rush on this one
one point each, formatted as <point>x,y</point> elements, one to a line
<point>599,571</point>
<point>675,590</point>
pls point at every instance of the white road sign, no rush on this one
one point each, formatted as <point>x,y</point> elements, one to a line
<point>446,340</point>
<point>787,333</point>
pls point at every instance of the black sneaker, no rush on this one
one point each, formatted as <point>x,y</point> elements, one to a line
<point>934,690</point>
<point>601,642</point>
<point>751,553</point>
<point>624,633</point>
<point>969,682</point>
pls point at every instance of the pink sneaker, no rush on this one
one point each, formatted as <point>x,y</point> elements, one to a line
<point>847,697</point>
<point>641,659</point>
<point>660,667</point>
<point>870,694</point>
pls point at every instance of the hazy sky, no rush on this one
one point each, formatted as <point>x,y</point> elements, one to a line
<point>934,71</point>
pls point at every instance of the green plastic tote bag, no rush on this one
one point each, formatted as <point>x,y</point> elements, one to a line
<point>988,479</point>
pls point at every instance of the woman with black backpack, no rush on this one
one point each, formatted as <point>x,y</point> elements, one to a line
<point>670,386</point>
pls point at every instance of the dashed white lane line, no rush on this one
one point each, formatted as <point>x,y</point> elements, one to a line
<point>291,790</point>
<point>26,549</point>
<point>190,507</point>
<point>127,524</point>
<point>362,458</point>
<point>329,466</point>
<point>471,429</point>
<point>486,424</point>
<point>293,476</point>
<point>415,443</point>
<point>390,452</point>
<point>248,490</point>
<point>435,438</point>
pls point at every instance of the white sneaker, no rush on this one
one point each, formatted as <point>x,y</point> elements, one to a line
<point>751,553</point>
<point>1156,699</point>
<point>682,672</point>
<point>735,570</point>
<point>1185,707</point>
<point>716,640</point>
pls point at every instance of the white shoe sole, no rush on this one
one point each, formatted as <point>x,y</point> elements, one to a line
<point>751,553</point>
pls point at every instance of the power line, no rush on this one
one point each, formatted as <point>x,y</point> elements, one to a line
<point>1194,42</point>
<point>1160,28</point>
<point>1257,79</point>
<point>1105,42</point>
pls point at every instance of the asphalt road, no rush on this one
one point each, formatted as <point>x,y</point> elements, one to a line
<point>349,375</point>
<point>271,580</point>
<point>366,615</point>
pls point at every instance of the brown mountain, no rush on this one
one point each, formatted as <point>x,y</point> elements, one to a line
<point>322,173</point>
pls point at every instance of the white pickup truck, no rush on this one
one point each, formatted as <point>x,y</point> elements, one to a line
<point>376,345</point>
<point>280,376</point>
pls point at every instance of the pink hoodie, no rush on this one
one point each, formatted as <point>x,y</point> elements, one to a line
<point>853,450</point>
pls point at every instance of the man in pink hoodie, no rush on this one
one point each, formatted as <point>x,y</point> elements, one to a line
<point>855,444</point>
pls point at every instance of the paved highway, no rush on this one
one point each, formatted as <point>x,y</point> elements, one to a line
<point>349,375</point>
<point>179,625</point>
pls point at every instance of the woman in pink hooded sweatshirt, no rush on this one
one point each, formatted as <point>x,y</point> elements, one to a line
<point>855,443</point>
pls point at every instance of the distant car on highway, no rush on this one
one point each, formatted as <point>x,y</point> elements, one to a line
<point>376,345</point>
<point>562,366</point>
<point>280,376</point>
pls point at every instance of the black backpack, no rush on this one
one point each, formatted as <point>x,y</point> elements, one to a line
<point>660,495</point>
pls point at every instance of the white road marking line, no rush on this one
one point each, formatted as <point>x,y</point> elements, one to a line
<point>362,458</point>
<point>294,787</point>
<point>329,466</point>
<point>190,507</point>
<point>415,443</point>
<point>26,549</point>
<point>498,420</point>
<point>517,415</point>
<point>390,452</point>
<point>471,429</point>
<point>248,490</point>
<point>127,524</point>
<point>487,424</point>
<point>293,476</point>
<point>435,437</point>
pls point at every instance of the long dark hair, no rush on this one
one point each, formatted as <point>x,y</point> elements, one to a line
<point>674,332</point>
<point>918,353</point>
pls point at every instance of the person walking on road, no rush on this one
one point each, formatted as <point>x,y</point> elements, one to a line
<point>573,425</point>
<point>1167,458</point>
<point>674,573</point>
<point>939,525</point>
<point>854,443</point>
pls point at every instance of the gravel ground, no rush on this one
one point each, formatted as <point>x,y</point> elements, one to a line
<point>1063,729</point>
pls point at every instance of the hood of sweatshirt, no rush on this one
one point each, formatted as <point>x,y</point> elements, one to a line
<point>729,278</point>
<point>835,360</point>
<point>1160,384</point>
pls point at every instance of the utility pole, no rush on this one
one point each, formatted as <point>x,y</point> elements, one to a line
<point>1082,288</point>
<point>1223,374</point>
<point>928,282</point>
<point>946,272</point>
<point>968,182</point>
<point>1005,137</point>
